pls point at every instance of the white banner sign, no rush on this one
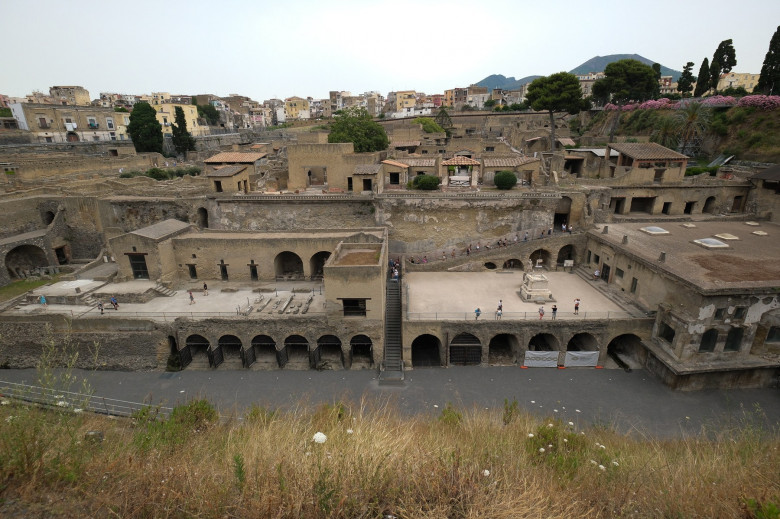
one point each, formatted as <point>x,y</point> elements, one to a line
<point>581,358</point>
<point>541,359</point>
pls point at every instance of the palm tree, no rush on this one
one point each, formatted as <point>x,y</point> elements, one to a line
<point>666,132</point>
<point>693,120</point>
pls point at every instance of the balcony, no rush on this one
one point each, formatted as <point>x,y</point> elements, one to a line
<point>93,126</point>
<point>44,125</point>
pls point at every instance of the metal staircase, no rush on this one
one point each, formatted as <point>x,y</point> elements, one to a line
<point>392,365</point>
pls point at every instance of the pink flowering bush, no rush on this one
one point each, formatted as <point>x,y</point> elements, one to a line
<point>719,101</point>
<point>610,106</point>
<point>761,102</point>
<point>656,104</point>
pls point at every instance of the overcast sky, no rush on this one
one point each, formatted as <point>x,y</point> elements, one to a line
<point>266,49</point>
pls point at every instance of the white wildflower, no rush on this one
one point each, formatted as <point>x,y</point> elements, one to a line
<point>434,405</point>
<point>602,467</point>
<point>602,446</point>
<point>549,425</point>
<point>541,449</point>
<point>319,437</point>
<point>549,446</point>
<point>4,402</point>
<point>582,433</point>
<point>593,462</point>
<point>571,424</point>
<point>486,472</point>
<point>615,463</point>
<point>533,401</point>
<point>350,431</point>
<point>555,410</point>
<point>10,419</point>
<point>530,435</point>
<point>78,410</point>
<point>565,440</point>
<point>576,410</point>
<point>62,403</point>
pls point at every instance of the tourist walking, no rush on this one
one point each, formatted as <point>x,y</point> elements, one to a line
<point>205,289</point>
<point>541,313</point>
<point>42,300</point>
<point>596,274</point>
<point>192,297</point>
<point>499,312</point>
<point>554,311</point>
<point>477,313</point>
<point>577,306</point>
<point>100,307</point>
<point>114,303</point>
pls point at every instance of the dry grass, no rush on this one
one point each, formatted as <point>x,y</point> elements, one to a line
<point>374,463</point>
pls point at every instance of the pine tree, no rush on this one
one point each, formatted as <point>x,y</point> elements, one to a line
<point>182,140</point>
<point>714,75</point>
<point>686,81</point>
<point>144,129</point>
<point>769,82</point>
<point>724,59</point>
<point>703,82</point>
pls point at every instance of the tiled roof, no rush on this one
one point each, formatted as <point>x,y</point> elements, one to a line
<point>507,162</point>
<point>227,171</point>
<point>234,156</point>
<point>565,141</point>
<point>420,163</point>
<point>772,173</point>
<point>646,151</point>
<point>367,169</point>
<point>161,229</point>
<point>460,160</point>
<point>404,144</point>
<point>397,164</point>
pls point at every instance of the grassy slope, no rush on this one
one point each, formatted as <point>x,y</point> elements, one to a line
<point>374,463</point>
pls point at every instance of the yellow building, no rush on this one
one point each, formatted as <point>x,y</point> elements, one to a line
<point>405,99</point>
<point>166,116</point>
<point>296,108</point>
<point>71,123</point>
<point>736,79</point>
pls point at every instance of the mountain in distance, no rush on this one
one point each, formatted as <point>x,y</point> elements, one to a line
<point>596,64</point>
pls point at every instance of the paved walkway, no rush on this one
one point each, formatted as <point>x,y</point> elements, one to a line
<point>632,402</point>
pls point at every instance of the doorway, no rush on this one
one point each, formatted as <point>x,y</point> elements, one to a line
<point>138,266</point>
<point>605,272</point>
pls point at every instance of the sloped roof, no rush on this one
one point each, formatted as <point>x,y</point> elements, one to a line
<point>647,151</point>
<point>234,156</point>
<point>565,141</point>
<point>367,169</point>
<point>772,173</point>
<point>420,163</point>
<point>227,171</point>
<point>460,160</point>
<point>397,164</point>
<point>404,144</point>
<point>507,162</point>
<point>162,229</point>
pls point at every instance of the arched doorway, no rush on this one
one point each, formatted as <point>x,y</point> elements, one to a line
<point>48,217</point>
<point>426,350</point>
<point>583,342</point>
<point>540,258</point>
<point>203,218</point>
<point>513,264</point>
<point>361,352</point>
<point>562,211</point>
<point>626,351</point>
<point>296,353</point>
<point>265,351</point>
<point>288,265</point>
<point>230,346</point>
<point>198,347</point>
<point>501,349</point>
<point>710,205</point>
<point>490,265</point>
<point>328,354</point>
<point>72,137</point>
<point>23,260</point>
<point>544,342</point>
<point>465,350</point>
<point>316,264</point>
<point>566,253</point>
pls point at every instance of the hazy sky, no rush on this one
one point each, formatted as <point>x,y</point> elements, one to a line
<point>265,49</point>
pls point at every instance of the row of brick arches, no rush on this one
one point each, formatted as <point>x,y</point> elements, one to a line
<point>504,348</point>
<point>295,352</point>
<point>538,258</point>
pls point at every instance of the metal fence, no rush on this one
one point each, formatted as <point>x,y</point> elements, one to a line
<point>518,316</point>
<point>165,316</point>
<point>77,402</point>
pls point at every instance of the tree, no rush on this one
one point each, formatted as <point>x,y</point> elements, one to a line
<point>657,69</point>
<point>209,113</point>
<point>505,179</point>
<point>703,83</point>
<point>355,125</point>
<point>444,120</point>
<point>686,80</point>
<point>144,129</point>
<point>426,182</point>
<point>182,140</point>
<point>120,109</point>
<point>724,59</point>
<point>490,103</point>
<point>626,80</point>
<point>692,121</point>
<point>428,125</point>
<point>559,92</point>
<point>769,82</point>
<point>666,132</point>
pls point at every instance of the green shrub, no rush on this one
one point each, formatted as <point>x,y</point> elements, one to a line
<point>157,174</point>
<point>428,125</point>
<point>125,175</point>
<point>505,179</point>
<point>754,139</point>
<point>426,182</point>
<point>697,170</point>
<point>449,416</point>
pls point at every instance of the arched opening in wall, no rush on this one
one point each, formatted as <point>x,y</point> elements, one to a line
<point>316,175</point>
<point>566,253</point>
<point>513,264</point>
<point>540,258</point>
<point>265,351</point>
<point>710,205</point>
<point>199,347</point>
<point>361,352</point>
<point>544,342</point>
<point>328,354</point>
<point>203,218</point>
<point>21,261</point>
<point>317,264</point>
<point>72,137</point>
<point>501,349</point>
<point>734,339</point>
<point>48,217</point>
<point>465,350</point>
<point>708,340</point>
<point>174,358</point>
<point>296,349</point>
<point>562,211</point>
<point>583,342</point>
<point>490,265</point>
<point>231,351</point>
<point>288,266</point>
<point>626,351</point>
<point>426,351</point>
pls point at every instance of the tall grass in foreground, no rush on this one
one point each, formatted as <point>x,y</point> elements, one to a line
<point>373,462</point>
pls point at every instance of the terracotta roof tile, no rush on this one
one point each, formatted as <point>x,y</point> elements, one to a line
<point>367,169</point>
<point>420,163</point>
<point>397,164</point>
<point>404,144</point>
<point>507,162</point>
<point>646,151</point>
<point>227,171</point>
<point>460,160</point>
